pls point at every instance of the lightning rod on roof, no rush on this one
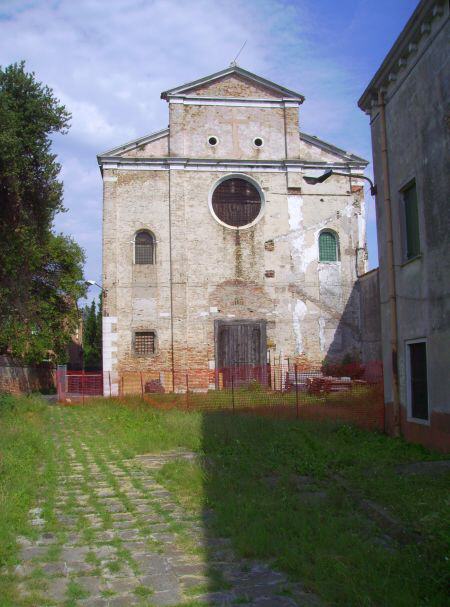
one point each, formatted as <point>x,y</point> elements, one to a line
<point>233,63</point>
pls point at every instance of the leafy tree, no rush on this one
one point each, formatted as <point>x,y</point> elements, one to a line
<point>92,335</point>
<point>41,274</point>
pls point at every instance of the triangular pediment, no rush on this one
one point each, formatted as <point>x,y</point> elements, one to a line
<point>315,149</point>
<point>234,82</point>
<point>154,145</point>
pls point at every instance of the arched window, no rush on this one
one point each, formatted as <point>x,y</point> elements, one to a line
<point>236,202</point>
<point>328,246</point>
<point>144,248</point>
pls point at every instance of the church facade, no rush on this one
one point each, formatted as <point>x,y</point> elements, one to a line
<point>216,251</point>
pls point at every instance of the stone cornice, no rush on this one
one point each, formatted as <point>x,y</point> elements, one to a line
<point>234,101</point>
<point>424,24</point>
<point>207,164</point>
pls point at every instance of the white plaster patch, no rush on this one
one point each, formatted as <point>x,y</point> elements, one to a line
<point>299,313</point>
<point>164,314</point>
<point>110,384</point>
<point>144,309</point>
<point>297,236</point>
<point>295,212</point>
<point>349,209</point>
<point>309,255</point>
<point>321,322</point>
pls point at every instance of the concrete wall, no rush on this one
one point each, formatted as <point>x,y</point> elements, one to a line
<point>417,114</point>
<point>369,289</point>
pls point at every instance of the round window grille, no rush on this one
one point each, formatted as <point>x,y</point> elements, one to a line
<point>236,202</point>
<point>258,142</point>
<point>212,141</point>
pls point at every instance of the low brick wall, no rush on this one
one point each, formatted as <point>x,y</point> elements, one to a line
<point>17,378</point>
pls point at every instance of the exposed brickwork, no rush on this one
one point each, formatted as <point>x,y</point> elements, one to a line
<point>234,86</point>
<point>154,149</point>
<point>211,272</point>
<point>16,378</point>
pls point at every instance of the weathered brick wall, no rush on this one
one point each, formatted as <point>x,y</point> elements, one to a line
<point>220,273</point>
<point>16,378</point>
<point>311,308</point>
<point>235,128</point>
<point>234,86</point>
<point>154,149</point>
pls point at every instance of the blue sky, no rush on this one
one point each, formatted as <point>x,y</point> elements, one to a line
<point>108,61</point>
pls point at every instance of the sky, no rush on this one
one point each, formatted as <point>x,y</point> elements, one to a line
<point>109,60</point>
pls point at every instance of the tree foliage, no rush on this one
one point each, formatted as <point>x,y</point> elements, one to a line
<point>92,335</point>
<point>41,274</point>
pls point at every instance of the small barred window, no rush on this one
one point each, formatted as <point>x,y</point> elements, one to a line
<point>144,343</point>
<point>144,248</point>
<point>328,247</point>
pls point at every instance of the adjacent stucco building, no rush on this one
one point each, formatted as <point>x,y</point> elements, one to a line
<point>408,101</point>
<point>215,251</point>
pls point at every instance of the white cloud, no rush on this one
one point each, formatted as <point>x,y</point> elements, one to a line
<point>109,61</point>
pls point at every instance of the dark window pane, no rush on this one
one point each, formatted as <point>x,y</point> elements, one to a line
<point>144,248</point>
<point>144,342</point>
<point>411,221</point>
<point>236,202</point>
<point>327,247</point>
<point>418,379</point>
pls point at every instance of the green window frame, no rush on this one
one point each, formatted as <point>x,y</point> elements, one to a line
<point>411,220</point>
<point>328,246</point>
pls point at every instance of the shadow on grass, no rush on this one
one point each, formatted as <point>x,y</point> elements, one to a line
<point>272,488</point>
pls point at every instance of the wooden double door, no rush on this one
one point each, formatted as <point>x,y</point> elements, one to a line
<point>241,351</point>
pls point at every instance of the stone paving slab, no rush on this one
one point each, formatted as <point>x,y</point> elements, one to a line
<point>115,545</point>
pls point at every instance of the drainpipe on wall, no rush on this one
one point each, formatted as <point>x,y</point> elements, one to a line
<point>392,296</point>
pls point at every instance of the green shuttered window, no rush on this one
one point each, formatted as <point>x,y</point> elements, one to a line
<point>328,250</point>
<point>411,221</point>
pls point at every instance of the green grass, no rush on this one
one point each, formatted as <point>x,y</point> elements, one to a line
<point>26,473</point>
<point>249,480</point>
<point>247,473</point>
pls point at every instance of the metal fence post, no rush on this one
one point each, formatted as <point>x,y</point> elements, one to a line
<point>296,390</point>
<point>232,388</point>
<point>142,387</point>
<point>109,378</point>
<point>187,390</point>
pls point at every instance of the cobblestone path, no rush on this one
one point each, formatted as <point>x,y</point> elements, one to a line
<point>112,536</point>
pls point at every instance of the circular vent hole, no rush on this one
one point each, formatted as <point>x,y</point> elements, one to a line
<point>212,140</point>
<point>258,142</point>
